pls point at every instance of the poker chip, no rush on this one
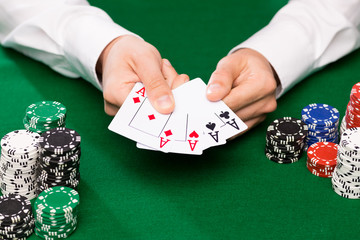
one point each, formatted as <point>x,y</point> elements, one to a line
<point>20,151</point>
<point>285,140</point>
<point>346,175</point>
<point>59,160</point>
<point>44,115</point>
<point>322,121</point>
<point>352,116</point>
<point>16,217</point>
<point>56,212</point>
<point>322,158</point>
<point>343,125</point>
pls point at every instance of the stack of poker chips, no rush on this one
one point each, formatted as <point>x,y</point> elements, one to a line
<point>322,121</point>
<point>16,218</point>
<point>19,158</point>
<point>321,159</point>
<point>44,115</point>
<point>285,140</point>
<point>343,125</point>
<point>352,114</point>
<point>59,159</point>
<point>346,176</point>
<point>56,211</point>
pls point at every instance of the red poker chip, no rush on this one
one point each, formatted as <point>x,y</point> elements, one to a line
<point>323,154</point>
<point>355,91</point>
<point>354,108</point>
<point>319,174</point>
<point>321,168</point>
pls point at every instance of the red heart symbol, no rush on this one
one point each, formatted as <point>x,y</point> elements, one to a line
<point>194,135</point>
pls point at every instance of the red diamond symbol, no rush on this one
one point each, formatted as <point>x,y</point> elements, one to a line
<point>168,133</point>
<point>136,99</point>
<point>151,117</point>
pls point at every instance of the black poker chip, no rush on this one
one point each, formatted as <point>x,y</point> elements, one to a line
<point>59,160</point>
<point>285,140</point>
<point>16,217</point>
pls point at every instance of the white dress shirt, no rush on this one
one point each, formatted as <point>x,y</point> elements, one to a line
<point>69,35</point>
<point>306,35</point>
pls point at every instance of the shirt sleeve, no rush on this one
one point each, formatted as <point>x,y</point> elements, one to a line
<point>67,35</point>
<point>306,35</point>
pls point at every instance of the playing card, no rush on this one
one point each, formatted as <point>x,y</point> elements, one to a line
<point>137,119</point>
<point>211,129</point>
<point>227,123</point>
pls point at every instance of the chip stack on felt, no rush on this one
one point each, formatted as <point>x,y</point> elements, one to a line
<point>19,158</point>
<point>59,159</point>
<point>346,176</point>
<point>322,121</point>
<point>321,158</point>
<point>44,115</point>
<point>56,211</point>
<point>352,114</point>
<point>16,218</point>
<point>343,125</point>
<point>285,140</point>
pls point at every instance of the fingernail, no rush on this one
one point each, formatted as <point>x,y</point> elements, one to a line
<point>213,88</point>
<point>167,62</point>
<point>164,102</point>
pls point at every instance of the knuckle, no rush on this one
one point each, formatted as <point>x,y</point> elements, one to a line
<point>223,61</point>
<point>271,106</point>
<point>184,77</point>
<point>154,85</point>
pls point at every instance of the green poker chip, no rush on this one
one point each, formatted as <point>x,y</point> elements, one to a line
<point>45,115</point>
<point>57,200</point>
<point>55,212</point>
<point>45,112</point>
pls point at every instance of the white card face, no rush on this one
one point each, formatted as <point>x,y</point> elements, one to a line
<point>230,123</point>
<point>135,109</point>
<point>211,131</point>
<point>191,142</point>
<point>148,120</point>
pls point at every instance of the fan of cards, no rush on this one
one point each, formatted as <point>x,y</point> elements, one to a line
<point>195,125</point>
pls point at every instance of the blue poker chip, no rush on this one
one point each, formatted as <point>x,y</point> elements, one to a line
<point>320,115</point>
<point>322,134</point>
<point>323,137</point>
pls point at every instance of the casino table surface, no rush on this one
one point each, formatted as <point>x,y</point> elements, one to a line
<point>229,192</point>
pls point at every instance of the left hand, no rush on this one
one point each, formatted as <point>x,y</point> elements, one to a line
<point>247,83</point>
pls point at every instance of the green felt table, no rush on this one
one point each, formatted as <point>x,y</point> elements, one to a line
<point>231,191</point>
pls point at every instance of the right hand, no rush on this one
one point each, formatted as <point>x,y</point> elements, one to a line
<point>127,60</point>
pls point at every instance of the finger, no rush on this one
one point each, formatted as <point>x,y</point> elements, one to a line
<point>221,80</point>
<point>158,91</point>
<point>169,72</point>
<point>250,89</point>
<point>251,124</point>
<point>265,105</point>
<point>179,80</point>
<point>110,108</point>
<point>114,90</point>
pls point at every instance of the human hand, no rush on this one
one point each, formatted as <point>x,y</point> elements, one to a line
<point>127,60</point>
<point>247,83</point>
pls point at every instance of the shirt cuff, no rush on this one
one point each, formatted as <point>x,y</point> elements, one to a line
<point>290,62</point>
<point>83,44</point>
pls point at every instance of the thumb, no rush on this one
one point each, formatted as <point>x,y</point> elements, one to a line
<point>157,89</point>
<point>220,82</point>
